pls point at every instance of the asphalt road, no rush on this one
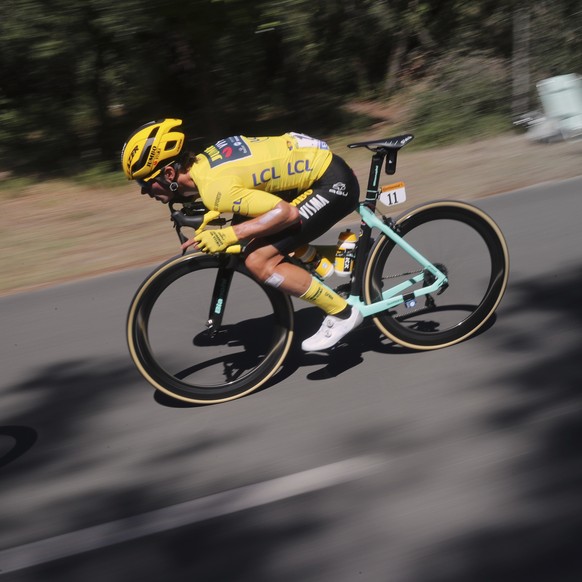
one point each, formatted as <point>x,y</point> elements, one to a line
<point>369,464</point>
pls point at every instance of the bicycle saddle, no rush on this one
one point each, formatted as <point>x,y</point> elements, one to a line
<point>388,143</point>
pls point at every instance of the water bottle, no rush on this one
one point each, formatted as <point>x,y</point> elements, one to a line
<point>346,253</point>
<point>320,265</point>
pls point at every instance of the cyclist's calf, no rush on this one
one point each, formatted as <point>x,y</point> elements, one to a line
<point>267,265</point>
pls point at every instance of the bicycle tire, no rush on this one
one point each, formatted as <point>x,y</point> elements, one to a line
<point>176,353</point>
<point>476,284</point>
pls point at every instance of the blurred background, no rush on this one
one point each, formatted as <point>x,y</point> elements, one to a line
<point>479,471</point>
<point>77,77</point>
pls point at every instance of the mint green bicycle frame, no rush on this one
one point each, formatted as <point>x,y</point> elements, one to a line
<point>395,295</point>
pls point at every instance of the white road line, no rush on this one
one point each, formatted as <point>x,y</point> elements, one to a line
<point>187,513</point>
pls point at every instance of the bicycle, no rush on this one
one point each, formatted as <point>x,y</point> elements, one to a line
<point>211,352</point>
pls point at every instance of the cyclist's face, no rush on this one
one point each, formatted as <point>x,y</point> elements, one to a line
<point>159,187</point>
<point>156,189</point>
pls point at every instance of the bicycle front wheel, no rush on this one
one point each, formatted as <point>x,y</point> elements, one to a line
<point>465,244</point>
<point>176,352</point>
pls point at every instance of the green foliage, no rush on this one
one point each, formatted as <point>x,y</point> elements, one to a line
<point>102,175</point>
<point>557,33</point>
<point>77,77</point>
<point>466,97</point>
<point>11,187</point>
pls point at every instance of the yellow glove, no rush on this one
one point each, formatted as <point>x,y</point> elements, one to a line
<point>214,241</point>
<point>208,217</point>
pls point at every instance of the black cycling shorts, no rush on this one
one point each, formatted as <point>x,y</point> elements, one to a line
<point>331,198</point>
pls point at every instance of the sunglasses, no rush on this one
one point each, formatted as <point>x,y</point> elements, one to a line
<point>145,186</point>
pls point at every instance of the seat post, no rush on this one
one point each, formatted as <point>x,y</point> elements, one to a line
<point>381,148</point>
<point>365,230</point>
<point>374,178</point>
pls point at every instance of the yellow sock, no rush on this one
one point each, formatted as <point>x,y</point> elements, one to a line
<point>324,298</point>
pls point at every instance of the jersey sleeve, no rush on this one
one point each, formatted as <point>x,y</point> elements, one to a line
<point>228,195</point>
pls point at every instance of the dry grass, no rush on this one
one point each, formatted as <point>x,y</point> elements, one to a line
<point>55,231</point>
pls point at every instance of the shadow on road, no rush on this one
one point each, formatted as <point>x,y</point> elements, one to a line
<point>541,402</point>
<point>541,544</point>
<point>21,439</point>
<point>346,355</point>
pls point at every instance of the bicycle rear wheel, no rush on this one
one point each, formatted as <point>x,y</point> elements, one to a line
<point>464,243</point>
<point>175,351</point>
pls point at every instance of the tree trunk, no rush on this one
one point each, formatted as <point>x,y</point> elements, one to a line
<point>395,64</point>
<point>520,61</point>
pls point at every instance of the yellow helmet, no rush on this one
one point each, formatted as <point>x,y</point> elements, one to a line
<point>150,148</point>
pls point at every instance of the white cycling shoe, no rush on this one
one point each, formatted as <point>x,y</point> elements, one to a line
<point>332,330</point>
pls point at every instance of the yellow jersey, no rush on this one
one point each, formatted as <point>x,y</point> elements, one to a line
<point>243,175</point>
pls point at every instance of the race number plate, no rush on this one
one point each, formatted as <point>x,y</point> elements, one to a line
<point>393,194</point>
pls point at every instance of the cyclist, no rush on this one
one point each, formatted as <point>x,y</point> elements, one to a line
<point>292,188</point>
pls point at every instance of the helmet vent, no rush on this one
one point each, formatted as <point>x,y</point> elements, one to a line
<point>141,161</point>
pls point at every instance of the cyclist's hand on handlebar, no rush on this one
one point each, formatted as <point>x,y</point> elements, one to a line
<point>208,217</point>
<point>213,241</point>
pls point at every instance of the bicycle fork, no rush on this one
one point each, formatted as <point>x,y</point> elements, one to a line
<point>219,296</point>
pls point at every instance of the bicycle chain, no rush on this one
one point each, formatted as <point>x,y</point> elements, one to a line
<point>402,274</point>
